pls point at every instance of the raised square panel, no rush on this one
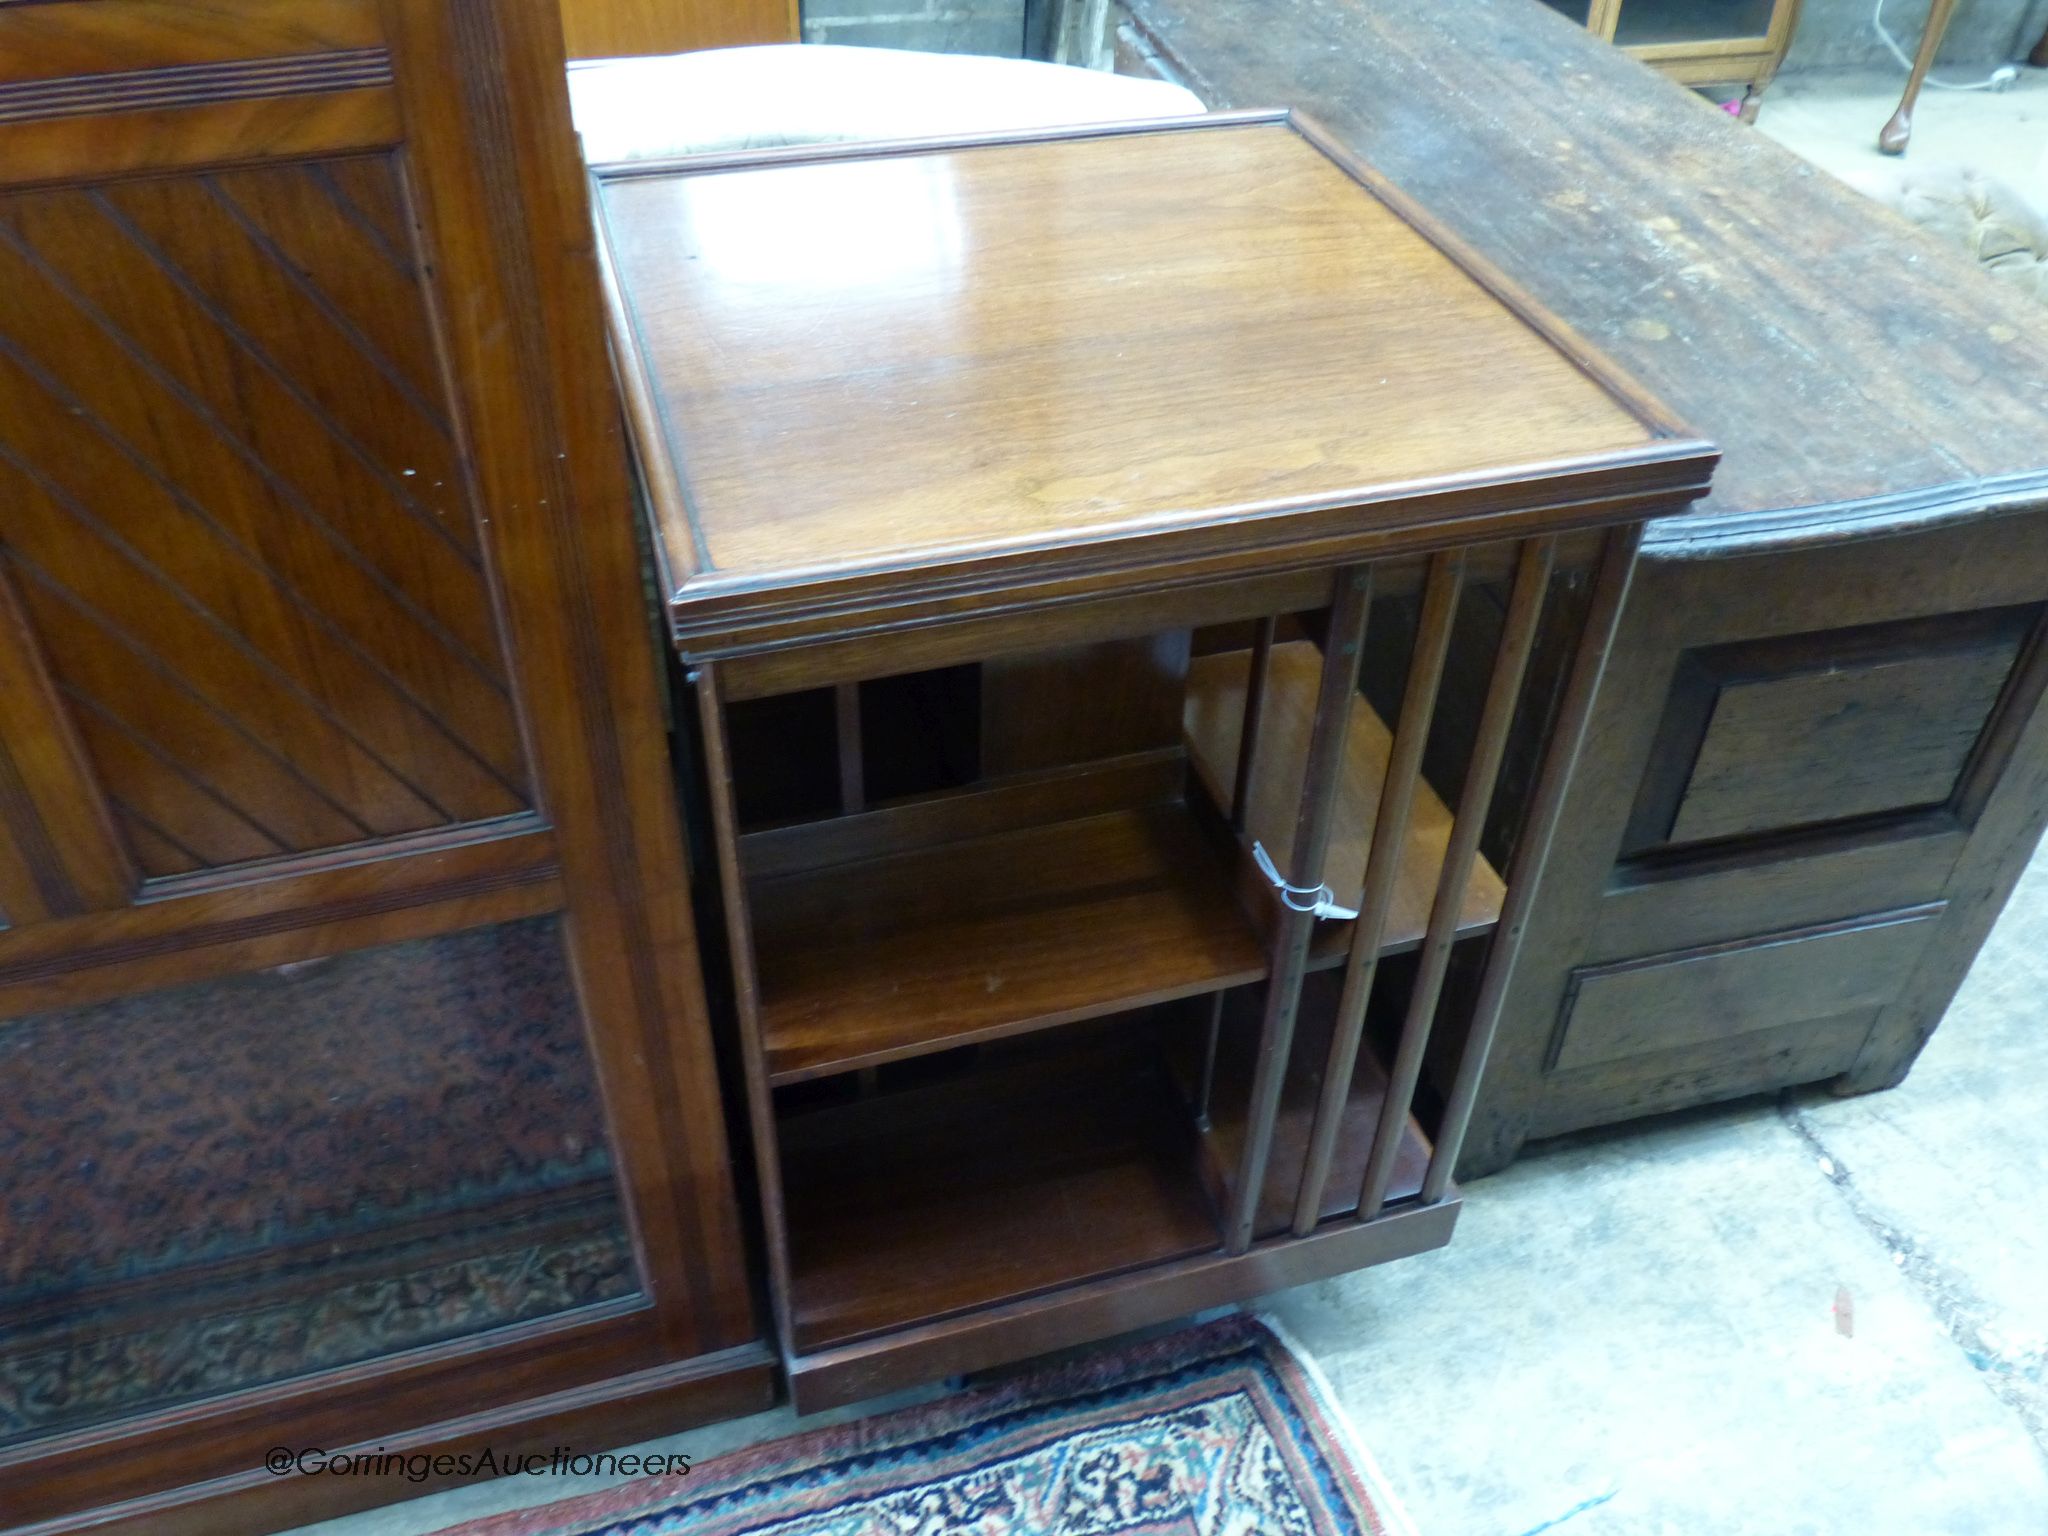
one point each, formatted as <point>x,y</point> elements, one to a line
<point>1800,731</point>
<point>1698,998</point>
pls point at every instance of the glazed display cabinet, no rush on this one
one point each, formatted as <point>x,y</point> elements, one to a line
<point>1697,42</point>
<point>355,1081</point>
<point>1026,510</point>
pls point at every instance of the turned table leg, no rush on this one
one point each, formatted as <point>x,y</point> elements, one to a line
<point>1783,29</point>
<point>1897,133</point>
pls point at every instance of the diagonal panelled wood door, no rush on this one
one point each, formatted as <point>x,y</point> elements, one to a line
<point>354,1069</point>
<point>237,518</point>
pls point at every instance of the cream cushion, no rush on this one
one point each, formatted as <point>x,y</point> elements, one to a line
<point>1995,221</point>
<point>807,93</point>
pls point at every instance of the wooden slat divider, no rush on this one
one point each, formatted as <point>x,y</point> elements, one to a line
<point>1389,840</point>
<point>1351,604</point>
<point>1205,1089</point>
<point>1254,714</point>
<point>1532,850</point>
<point>852,777</point>
<point>1240,805</point>
<point>1482,773</point>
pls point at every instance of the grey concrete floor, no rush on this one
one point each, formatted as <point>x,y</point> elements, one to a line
<point>1641,1325</point>
<point>1779,1317</point>
<point>1833,119</point>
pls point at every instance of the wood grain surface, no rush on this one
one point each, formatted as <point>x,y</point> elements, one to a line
<point>322,628</point>
<point>1698,997</point>
<point>1029,1176</point>
<point>1082,353</point>
<point>1855,371</point>
<point>240,522</point>
<point>607,29</point>
<point>967,940</point>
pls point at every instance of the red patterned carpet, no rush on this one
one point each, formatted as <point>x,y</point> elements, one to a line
<point>1217,1430</point>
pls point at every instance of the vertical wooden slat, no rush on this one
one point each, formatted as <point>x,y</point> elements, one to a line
<point>1482,773</point>
<point>1206,1091</point>
<point>852,776</point>
<point>739,932</point>
<point>1254,716</point>
<point>1240,809</point>
<point>1382,869</point>
<point>1321,774</point>
<point>59,853</point>
<point>1601,18</point>
<point>1532,850</point>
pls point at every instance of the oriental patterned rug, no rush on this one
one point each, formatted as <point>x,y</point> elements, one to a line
<point>1217,1430</point>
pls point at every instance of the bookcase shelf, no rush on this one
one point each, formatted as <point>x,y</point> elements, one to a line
<point>1068,1161</point>
<point>881,959</point>
<point>1215,721</point>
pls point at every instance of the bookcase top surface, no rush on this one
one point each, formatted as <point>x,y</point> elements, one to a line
<point>1098,352</point>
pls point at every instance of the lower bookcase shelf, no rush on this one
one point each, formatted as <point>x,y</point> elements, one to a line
<point>1237,1044</point>
<point>1053,1161</point>
<point>1016,1169</point>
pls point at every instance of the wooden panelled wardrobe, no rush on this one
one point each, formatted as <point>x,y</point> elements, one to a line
<point>358,1083</point>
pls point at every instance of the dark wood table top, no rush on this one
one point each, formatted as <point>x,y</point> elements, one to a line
<point>1858,374</point>
<point>1111,353</point>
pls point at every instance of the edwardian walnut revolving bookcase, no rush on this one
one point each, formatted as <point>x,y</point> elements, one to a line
<point>1025,508</point>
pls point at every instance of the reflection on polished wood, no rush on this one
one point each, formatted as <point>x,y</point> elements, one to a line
<point>1086,352</point>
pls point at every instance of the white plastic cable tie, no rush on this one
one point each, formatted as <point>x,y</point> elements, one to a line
<point>1322,901</point>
